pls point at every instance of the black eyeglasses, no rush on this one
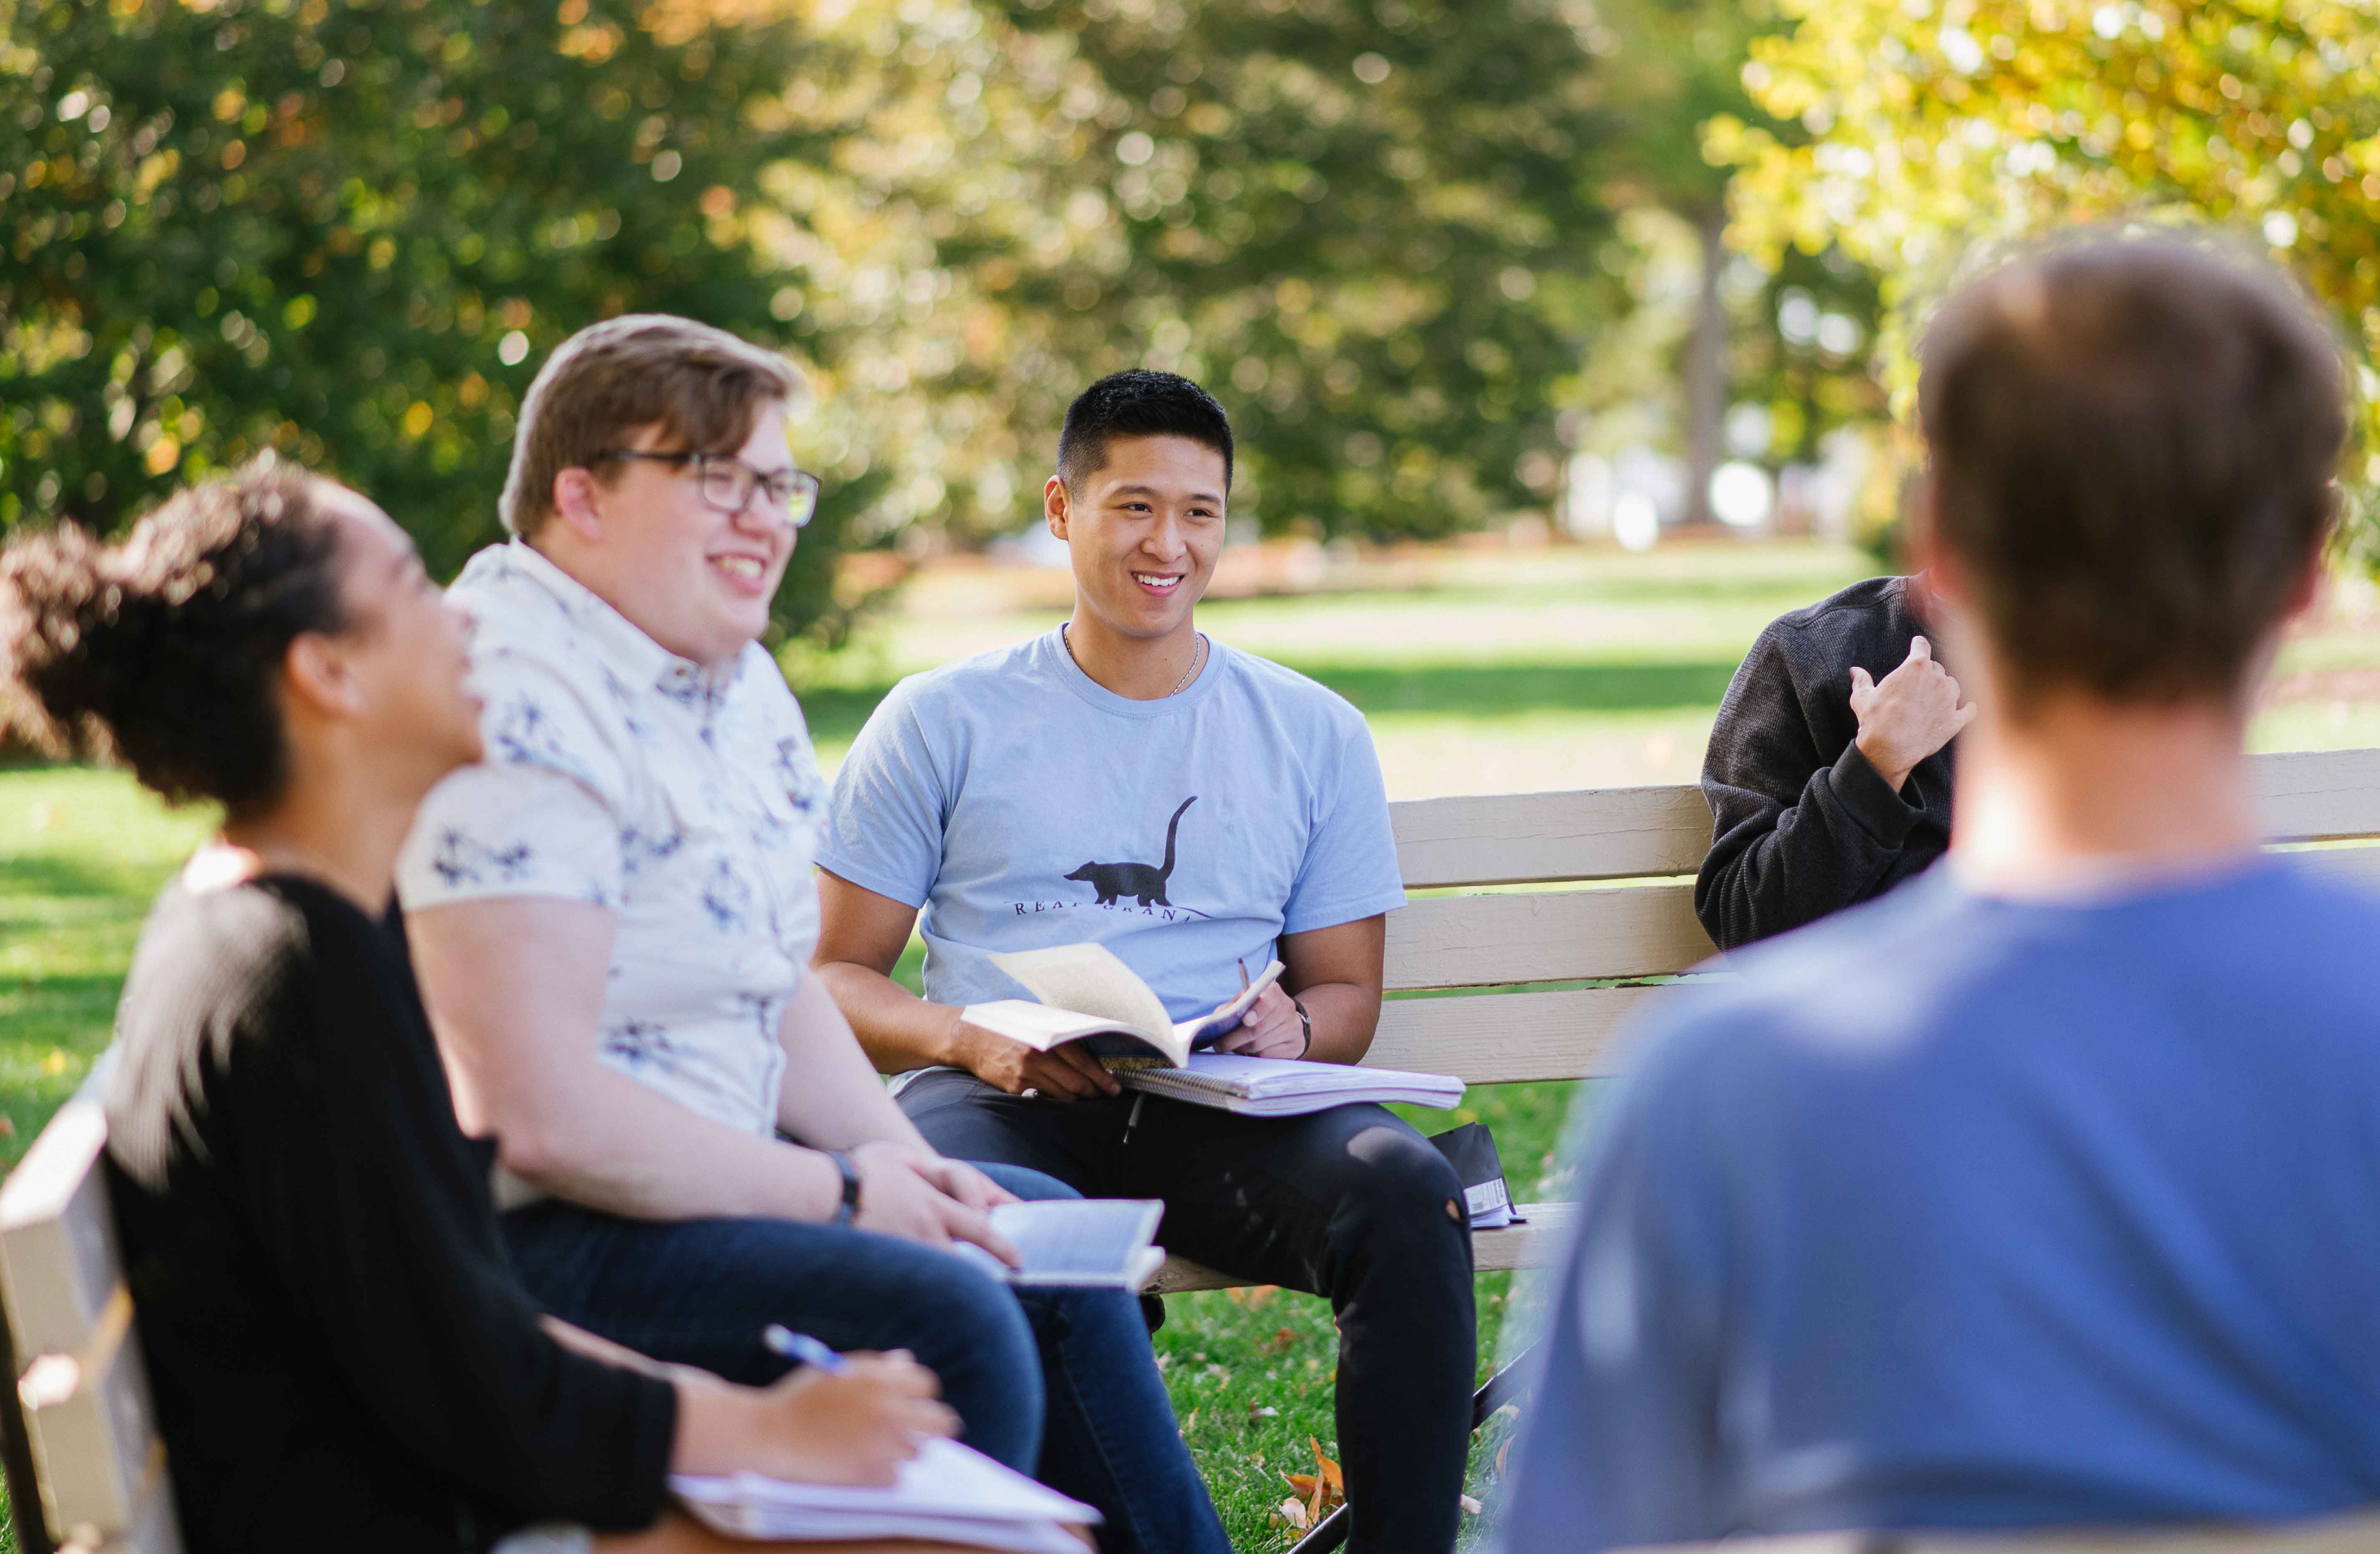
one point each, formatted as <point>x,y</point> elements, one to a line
<point>727,482</point>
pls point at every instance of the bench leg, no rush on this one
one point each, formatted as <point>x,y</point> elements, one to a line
<point>1501,1388</point>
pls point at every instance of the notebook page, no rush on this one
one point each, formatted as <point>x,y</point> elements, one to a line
<point>944,1479</point>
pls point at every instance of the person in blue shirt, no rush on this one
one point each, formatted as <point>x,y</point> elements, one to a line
<point>1127,781</point>
<point>2042,1190</point>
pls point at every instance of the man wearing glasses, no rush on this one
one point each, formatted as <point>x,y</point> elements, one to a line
<point>612,917</point>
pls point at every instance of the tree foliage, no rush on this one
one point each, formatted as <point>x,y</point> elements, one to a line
<point>1936,128</point>
<point>351,232</point>
<point>1369,227</point>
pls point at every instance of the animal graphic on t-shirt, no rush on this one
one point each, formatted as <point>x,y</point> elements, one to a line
<point>1144,881</point>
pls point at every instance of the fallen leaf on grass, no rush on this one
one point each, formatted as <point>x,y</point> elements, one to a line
<point>1502,1453</point>
<point>1470,1506</point>
<point>1256,1412</point>
<point>1252,1297</point>
<point>1331,1477</point>
<point>7,1126</point>
<point>1284,1338</point>
<point>1293,1511</point>
<point>1190,1423</point>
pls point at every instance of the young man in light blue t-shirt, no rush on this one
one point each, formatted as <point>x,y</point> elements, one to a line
<point>1127,780</point>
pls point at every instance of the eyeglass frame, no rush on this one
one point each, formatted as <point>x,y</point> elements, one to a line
<point>798,478</point>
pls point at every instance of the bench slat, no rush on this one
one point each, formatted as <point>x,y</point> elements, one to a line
<point>1522,839</point>
<point>58,1259</point>
<point>1502,1038</point>
<point>1557,936</point>
<point>1533,1244</point>
<point>2317,796</point>
<point>1618,834</point>
<point>95,1446</point>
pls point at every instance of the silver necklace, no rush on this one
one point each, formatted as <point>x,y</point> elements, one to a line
<point>1197,657</point>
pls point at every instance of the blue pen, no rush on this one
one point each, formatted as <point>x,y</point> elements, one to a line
<point>802,1348</point>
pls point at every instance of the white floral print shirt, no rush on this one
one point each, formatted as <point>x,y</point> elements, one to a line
<point>685,802</point>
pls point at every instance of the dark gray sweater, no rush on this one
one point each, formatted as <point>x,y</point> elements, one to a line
<point>1803,825</point>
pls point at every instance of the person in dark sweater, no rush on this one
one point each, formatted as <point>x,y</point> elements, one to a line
<point>1828,773</point>
<point>339,1351</point>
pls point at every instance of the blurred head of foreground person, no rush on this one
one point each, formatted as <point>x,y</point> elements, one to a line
<point>338,1349</point>
<point>2040,1192</point>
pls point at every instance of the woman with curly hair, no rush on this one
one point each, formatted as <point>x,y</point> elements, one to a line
<point>338,1347</point>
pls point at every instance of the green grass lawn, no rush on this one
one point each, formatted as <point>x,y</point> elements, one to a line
<point>1561,669</point>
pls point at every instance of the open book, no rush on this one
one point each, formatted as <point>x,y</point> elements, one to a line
<point>1091,996</point>
<point>1282,1087</point>
<point>947,1493</point>
<point>1101,1243</point>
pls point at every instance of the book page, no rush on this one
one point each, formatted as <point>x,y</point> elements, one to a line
<point>1090,979</point>
<point>1035,1024</point>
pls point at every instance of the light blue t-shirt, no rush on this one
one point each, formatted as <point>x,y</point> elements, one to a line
<point>1020,803</point>
<point>1965,1212</point>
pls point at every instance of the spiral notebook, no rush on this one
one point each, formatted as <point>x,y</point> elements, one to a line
<point>1281,1086</point>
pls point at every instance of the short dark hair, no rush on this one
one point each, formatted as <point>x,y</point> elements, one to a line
<point>702,386</point>
<point>2131,444</point>
<point>1139,404</point>
<point>164,651</point>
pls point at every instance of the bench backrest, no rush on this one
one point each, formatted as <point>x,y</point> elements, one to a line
<point>80,1387</point>
<point>1621,864</point>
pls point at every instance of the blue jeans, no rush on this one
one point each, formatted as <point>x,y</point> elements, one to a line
<point>1060,1379</point>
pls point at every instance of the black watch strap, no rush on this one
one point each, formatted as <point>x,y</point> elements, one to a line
<point>1308,1021</point>
<point>848,1209</point>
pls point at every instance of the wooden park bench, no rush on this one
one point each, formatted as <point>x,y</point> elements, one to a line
<point>1617,912</point>
<point>1544,979</point>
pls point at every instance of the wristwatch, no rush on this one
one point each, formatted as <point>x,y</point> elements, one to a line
<point>848,1209</point>
<point>1308,1020</point>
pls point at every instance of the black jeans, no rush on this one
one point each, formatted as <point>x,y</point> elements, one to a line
<point>1349,1203</point>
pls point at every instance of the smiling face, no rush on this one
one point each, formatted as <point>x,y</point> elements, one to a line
<point>694,579</point>
<point>1144,530</point>
<point>408,648</point>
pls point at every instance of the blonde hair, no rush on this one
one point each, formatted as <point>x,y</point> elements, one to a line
<point>702,386</point>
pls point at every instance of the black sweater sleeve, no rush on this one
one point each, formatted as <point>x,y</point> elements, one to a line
<point>373,1213</point>
<point>1801,824</point>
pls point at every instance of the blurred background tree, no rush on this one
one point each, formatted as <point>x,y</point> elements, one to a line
<point>1370,228</point>
<point>352,232</point>
<point>1930,132</point>
<point>1428,253</point>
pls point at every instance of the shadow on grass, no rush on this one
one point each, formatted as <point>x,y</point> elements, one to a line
<point>46,874</point>
<point>1513,689</point>
<point>1484,690</point>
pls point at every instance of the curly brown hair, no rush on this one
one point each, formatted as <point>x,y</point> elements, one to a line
<point>162,652</point>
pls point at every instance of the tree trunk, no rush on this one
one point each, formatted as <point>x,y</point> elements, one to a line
<point>1706,369</point>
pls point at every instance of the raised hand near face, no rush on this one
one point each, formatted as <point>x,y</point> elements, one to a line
<point>1909,714</point>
